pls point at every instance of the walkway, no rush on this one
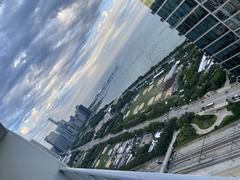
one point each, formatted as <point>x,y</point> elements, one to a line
<point>169,152</point>
<point>221,114</point>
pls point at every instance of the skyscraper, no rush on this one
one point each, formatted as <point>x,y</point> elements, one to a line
<point>213,25</point>
<point>58,141</point>
<point>82,113</point>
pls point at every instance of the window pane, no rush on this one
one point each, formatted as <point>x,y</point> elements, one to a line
<point>221,43</point>
<point>228,52</point>
<point>168,7</point>
<point>211,36</point>
<point>234,22</point>
<point>229,9</point>
<point>199,30</point>
<point>232,62</point>
<point>196,16</point>
<point>181,12</point>
<point>212,5</point>
<point>236,71</point>
<point>156,5</point>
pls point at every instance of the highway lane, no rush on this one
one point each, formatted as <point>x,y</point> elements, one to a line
<point>218,98</point>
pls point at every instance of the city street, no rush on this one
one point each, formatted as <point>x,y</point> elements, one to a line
<point>218,98</point>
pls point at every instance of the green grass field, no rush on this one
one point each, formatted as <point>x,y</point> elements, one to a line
<point>156,90</point>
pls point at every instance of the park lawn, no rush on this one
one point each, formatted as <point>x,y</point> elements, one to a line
<point>104,157</point>
<point>103,160</point>
<point>204,121</point>
<point>144,98</point>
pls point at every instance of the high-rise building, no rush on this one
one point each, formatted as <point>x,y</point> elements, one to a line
<point>82,113</point>
<point>58,141</point>
<point>66,129</point>
<point>213,25</point>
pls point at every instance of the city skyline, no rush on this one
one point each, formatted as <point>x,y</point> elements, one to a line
<point>50,64</point>
<point>73,70</point>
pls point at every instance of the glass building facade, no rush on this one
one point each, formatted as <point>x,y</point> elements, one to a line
<point>213,25</point>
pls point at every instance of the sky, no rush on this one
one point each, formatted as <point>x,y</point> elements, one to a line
<point>50,56</point>
<point>54,54</point>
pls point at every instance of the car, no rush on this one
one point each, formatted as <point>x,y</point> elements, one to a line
<point>236,96</point>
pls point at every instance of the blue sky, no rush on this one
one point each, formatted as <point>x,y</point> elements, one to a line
<point>53,54</point>
<point>57,54</point>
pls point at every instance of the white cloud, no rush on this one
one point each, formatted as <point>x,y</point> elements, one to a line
<point>68,15</point>
<point>20,59</point>
<point>2,8</point>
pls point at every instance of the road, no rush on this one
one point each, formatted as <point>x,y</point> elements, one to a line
<point>219,98</point>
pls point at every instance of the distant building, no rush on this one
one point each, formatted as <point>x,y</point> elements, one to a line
<point>65,128</point>
<point>58,141</point>
<point>213,25</point>
<point>82,113</point>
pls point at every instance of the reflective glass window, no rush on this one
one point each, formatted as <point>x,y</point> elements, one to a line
<point>211,36</point>
<point>168,7</point>
<point>221,43</point>
<point>228,9</point>
<point>181,12</point>
<point>228,52</point>
<point>212,5</point>
<point>193,19</point>
<point>200,29</point>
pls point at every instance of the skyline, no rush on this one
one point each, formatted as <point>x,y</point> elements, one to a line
<point>53,52</point>
<point>50,72</point>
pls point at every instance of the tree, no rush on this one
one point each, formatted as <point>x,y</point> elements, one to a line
<point>185,119</point>
<point>218,79</point>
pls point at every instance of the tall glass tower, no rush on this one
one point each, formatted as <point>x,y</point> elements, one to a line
<point>213,25</point>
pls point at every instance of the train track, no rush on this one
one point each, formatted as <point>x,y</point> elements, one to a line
<point>207,149</point>
<point>210,161</point>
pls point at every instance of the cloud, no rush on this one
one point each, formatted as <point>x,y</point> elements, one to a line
<point>24,130</point>
<point>54,54</point>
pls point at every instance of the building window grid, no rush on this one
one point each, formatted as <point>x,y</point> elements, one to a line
<point>221,43</point>
<point>236,71</point>
<point>228,9</point>
<point>168,7</point>
<point>212,5</point>
<point>227,53</point>
<point>231,21</point>
<point>232,62</point>
<point>192,19</point>
<point>181,12</point>
<point>220,19</point>
<point>234,22</point>
<point>211,36</point>
<point>201,28</point>
<point>156,5</point>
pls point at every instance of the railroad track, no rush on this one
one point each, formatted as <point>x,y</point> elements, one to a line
<point>209,162</point>
<point>209,148</point>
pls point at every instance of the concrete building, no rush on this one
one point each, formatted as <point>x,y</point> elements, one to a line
<point>213,25</point>
<point>66,129</point>
<point>82,113</point>
<point>21,160</point>
<point>58,141</point>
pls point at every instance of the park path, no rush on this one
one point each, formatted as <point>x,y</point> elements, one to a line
<point>221,114</point>
<point>169,152</point>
